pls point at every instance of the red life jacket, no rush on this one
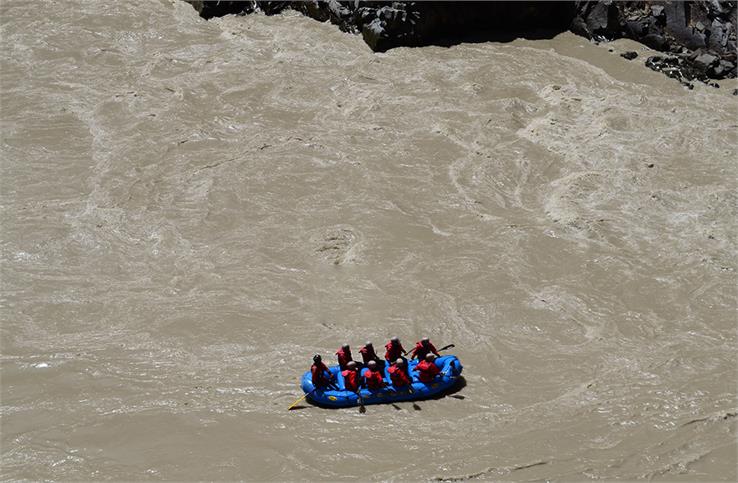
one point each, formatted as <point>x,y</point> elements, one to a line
<point>420,351</point>
<point>394,351</point>
<point>373,379</point>
<point>398,375</point>
<point>368,354</point>
<point>351,380</point>
<point>427,371</point>
<point>344,357</point>
<point>318,373</point>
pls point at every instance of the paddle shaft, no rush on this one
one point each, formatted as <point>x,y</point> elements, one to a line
<point>362,409</point>
<point>450,346</point>
<point>300,399</point>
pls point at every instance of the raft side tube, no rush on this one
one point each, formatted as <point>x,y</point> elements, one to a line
<point>449,365</point>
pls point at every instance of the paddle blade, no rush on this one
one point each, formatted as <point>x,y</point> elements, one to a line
<point>296,402</point>
<point>362,409</point>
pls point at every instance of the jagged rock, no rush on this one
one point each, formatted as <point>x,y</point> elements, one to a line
<point>656,42</point>
<point>690,27</point>
<point>208,9</point>
<point>724,67</point>
<point>705,61</point>
<point>679,68</point>
<point>272,8</point>
<point>348,16</point>
<point>386,26</point>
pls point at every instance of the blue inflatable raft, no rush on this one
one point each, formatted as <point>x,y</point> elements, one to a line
<point>450,367</point>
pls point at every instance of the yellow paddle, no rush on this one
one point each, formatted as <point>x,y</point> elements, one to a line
<point>298,401</point>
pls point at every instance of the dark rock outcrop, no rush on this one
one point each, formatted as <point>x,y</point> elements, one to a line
<point>677,68</point>
<point>700,36</point>
<point>218,8</point>
<point>385,25</point>
<point>446,23</point>
<point>208,9</point>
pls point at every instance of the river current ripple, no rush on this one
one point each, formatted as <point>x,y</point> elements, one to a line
<point>191,209</point>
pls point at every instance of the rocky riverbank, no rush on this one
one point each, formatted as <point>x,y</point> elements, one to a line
<point>698,38</point>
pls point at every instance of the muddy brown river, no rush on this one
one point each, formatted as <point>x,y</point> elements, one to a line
<point>191,209</point>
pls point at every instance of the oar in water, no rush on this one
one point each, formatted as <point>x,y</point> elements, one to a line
<point>362,409</point>
<point>298,401</point>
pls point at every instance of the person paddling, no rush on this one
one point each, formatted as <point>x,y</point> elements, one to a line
<point>373,379</point>
<point>427,369</point>
<point>368,354</point>
<point>398,374</point>
<point>351,377</point>
<point>344,356</point>
<point>422,348</point>
<point>394,349</point>
<point>321,376</point>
